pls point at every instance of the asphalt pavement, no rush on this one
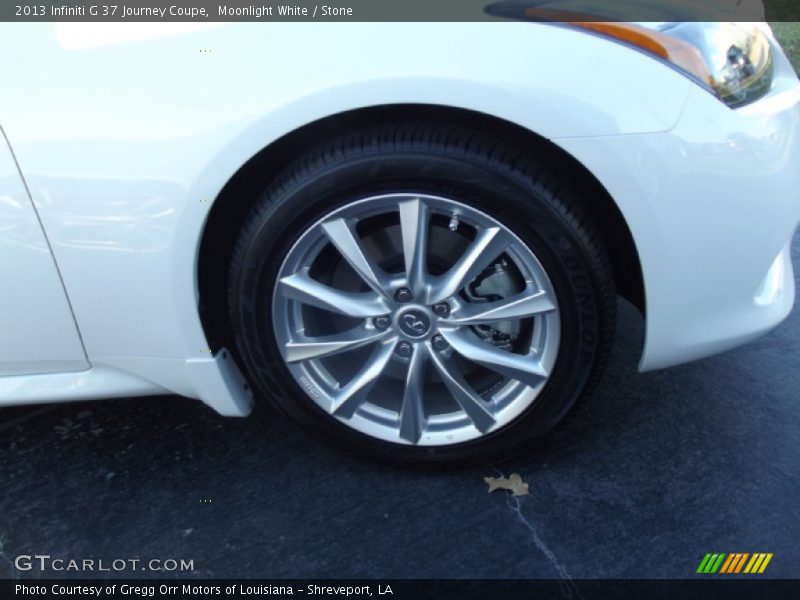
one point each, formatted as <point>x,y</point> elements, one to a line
<point>657,470</point>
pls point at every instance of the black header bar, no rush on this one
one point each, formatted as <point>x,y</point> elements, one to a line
<point>396,10</point>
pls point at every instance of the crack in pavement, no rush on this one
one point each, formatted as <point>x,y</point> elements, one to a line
<point>568,586</point>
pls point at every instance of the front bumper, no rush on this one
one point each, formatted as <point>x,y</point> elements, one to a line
<point>712,205</point>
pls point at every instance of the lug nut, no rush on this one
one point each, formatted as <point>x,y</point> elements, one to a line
<point>382,322</point>
<point>403,349</point>
<point>443,309</point>
<point>403,295</point>
<point>439,343</point>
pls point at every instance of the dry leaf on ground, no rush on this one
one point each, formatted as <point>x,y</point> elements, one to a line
<point>513,483</point>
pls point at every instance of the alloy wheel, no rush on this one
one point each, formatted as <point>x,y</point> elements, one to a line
<point>416,319</point>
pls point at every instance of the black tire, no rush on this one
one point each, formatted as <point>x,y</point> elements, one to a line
<point>509,184</point>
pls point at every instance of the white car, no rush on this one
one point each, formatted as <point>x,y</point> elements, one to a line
<point>409,237</point>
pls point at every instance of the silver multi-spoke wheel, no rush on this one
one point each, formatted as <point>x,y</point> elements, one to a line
<point>424,293</point>
<point>416,319</point>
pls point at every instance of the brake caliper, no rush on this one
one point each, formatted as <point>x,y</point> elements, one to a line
<point>499,280</point>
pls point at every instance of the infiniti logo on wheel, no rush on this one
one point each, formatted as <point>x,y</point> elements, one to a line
<point>415,323</point>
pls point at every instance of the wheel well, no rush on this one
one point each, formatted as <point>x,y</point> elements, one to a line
<point>231,207</point>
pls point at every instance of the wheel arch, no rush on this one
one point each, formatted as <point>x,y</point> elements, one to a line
<point>234,201</point>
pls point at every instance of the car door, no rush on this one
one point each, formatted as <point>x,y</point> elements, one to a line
<point>38,333</point>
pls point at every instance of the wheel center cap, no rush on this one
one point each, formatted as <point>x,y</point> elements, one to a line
<point>414,323</point>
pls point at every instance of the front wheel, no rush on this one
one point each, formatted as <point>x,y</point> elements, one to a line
<point>419,296</point>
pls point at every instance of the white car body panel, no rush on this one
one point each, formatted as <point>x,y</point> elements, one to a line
<point>125,143</point>
<point>215,378</point>
<point>38,331</point>
<point>712,206</point>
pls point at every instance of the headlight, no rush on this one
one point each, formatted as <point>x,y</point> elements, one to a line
<point>733,60</point>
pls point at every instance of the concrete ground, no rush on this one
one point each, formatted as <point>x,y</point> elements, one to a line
<point>659,469</point>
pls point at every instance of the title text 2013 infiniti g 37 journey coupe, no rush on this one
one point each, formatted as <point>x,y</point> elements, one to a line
<point>409,237</point>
